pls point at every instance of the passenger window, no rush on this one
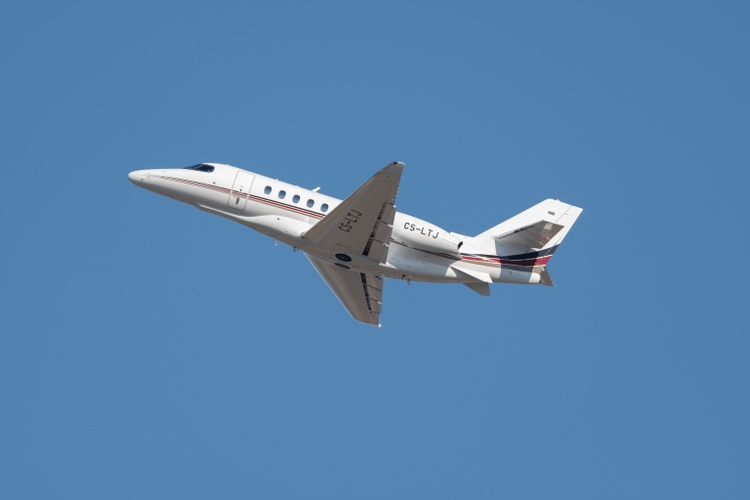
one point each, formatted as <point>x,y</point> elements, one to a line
<point>282,194</point>
<point>296,198</point>
<point>310,203</point>
<point>324,207</point>
<point>267,190</point>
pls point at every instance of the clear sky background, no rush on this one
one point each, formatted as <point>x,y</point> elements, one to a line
<point>150,350</point>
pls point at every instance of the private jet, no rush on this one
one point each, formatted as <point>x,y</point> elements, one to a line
<point>357,243</point>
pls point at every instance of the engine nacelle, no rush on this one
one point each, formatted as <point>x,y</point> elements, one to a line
<point>423,235</point>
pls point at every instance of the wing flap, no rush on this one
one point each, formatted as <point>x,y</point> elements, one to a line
<point>378,243</point>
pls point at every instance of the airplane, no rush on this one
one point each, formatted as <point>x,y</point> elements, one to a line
<point>357,243</point>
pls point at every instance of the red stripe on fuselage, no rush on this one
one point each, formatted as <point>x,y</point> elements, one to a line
<point>536,261</point>
<point>228,191</point>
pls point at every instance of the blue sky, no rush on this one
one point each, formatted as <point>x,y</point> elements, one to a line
<point>150,350</point>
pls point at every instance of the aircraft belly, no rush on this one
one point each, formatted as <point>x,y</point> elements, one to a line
<point>285,229</point>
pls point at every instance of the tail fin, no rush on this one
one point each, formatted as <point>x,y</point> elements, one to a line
<point>529,238</point>
<point>542,226</point>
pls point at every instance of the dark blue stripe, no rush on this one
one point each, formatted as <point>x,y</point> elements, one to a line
<point>520,256</point>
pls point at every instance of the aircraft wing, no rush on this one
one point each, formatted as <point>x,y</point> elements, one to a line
<point>362,223</point>
<point>360,293</point>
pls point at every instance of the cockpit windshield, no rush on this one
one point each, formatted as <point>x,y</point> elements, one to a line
<point>202,167</point>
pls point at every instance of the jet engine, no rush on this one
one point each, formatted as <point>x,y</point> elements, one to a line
<point>422,235</point>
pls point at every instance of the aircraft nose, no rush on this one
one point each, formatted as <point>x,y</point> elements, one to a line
<point>137,176</point>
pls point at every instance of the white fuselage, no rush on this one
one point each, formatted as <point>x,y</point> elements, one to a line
<point>418,250</point>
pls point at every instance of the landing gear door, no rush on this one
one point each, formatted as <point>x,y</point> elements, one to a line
<point>240,190</point>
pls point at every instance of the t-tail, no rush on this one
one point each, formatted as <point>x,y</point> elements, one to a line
<point>528,240</point>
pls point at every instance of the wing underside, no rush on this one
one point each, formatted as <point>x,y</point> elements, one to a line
<point>360,225</point>
<point>360,293</point>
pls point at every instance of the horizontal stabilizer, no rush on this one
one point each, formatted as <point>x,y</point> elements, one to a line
<point>544,278</point>
<point>531,237</point>
<point>480,287</point>
<point>471,274</point>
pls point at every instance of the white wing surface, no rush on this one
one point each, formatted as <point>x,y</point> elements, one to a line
<point>360,293</point>
<point>362,223</point>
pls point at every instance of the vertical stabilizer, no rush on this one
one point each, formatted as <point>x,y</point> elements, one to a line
<point>541,228</point>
